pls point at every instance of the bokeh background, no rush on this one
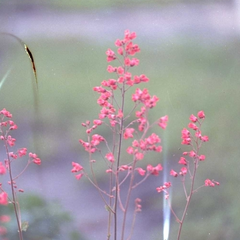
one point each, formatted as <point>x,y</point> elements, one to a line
<point>189,50</point>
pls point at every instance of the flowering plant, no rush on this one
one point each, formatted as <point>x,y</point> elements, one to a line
<point>122,127</point>
<point>6,126</point>
<point>132,138</point>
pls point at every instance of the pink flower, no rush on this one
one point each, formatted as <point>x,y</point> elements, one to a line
<point>96,139</point>
<point>209,183</point>
<point>111,69</point>
<point>198,134</point>
<point>14,156</point>
<point>134,62</point>
<point>158,149</point>
<point>124,168</point>
<point>130,150</point>
<point>120,113</point>
<point>128,133</point>
<point>32,155</point>
<point>13,125</point>
<point>6,113</point>
<point>163,188</point>
<point>120,51</point>
<point>139,156</point>
<point>185,133</point>
<point>163,122</point>
<point>164,118</point>
<point>202,157</point>
<point>186,141</point>
<point>110,157</point>
<point>37,161</point>
<point>76,167</point>
<point>4,218</point>
<point>138,206</point>
<point>159,189</point>
<point>127,61</point>
<point>143,78</point>
<point>183,171</point>
<point>154,170</point>
<point>3,198</point>
<point>149,168</point>
<point>35,158</point>
<point>182,161</point>
<point>192,154</point>
<point>141,171</point>
<point>99,89</point>
<point>11,141</point>
<point>173,173</point>
<point>129,35</point>
<point>79,176</point>
<point>2,169</point>
<point>118,43</point>
<point>110,55</point>
<point>193,118</point>
<point>204,138</point>
<point>120,70</point>
<point>22,152</point>
<point>154,138</point>
<point>97,122</point>
<point>201,114</point>
<point>193,126</point>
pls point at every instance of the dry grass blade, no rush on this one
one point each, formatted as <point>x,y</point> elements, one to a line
<point>27,50</point>
<point>30,55</point>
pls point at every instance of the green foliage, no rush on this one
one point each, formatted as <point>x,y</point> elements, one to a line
<point>41,220</point>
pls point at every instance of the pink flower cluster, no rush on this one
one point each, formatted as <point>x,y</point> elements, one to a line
<point>115,113</point>
<point>195,124</point>
<point>139,148</point>
<point>194,140</point>
<point>77,168</point>
<point>7,125</point>
<point>3,230</point>
<point>123,127</point>
<point>3,198</point>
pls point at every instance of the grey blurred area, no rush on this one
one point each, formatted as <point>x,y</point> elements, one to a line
<point>40,19</point>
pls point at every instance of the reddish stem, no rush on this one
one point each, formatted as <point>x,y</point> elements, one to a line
<point>13,194</point>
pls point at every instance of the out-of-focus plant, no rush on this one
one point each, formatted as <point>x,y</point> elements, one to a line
<point>47,220</point>
<point>7,125</point>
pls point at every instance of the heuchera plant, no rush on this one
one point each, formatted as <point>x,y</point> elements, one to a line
<point>123,126</point>
<point>6,126</point>
<point>189,166</point>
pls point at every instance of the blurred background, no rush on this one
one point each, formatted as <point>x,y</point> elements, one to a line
<point>189,50</point>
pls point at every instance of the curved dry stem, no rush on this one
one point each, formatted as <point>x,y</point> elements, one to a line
<point>28,52</point>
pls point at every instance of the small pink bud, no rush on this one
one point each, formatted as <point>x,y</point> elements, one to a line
<point>193,118</point>
<point>201,114</point>
<point>173,173</point>
<point>202,157</point>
